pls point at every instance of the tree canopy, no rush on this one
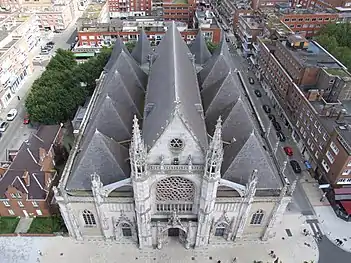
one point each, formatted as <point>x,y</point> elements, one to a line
<point>130,45</point>
<point>211,46</point>
<point>336,38</point>
<point>56,95</point>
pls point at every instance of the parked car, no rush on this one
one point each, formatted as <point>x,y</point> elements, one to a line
<point>251,80</point>
<point>277,126</point>
<point>44,52</point>
<point>50,43</point>
<point>288,150</point>
<point>11,115</point>
<point>271,117</point>
<point>281,136</point>
<point>295,166</point>
<point>26,119</point>
<point>266,108</point>
<point>3,126</point>
<point>258,93</point>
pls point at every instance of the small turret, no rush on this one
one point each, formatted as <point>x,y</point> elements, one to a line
<point>137,152</point>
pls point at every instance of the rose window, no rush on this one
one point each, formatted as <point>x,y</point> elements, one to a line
<point>175,189</point>
<point>176,144</point>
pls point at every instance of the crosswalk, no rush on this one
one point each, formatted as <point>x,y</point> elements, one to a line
<point>315,228</point>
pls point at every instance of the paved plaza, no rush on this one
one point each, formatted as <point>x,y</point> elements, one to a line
<point>291,249</point>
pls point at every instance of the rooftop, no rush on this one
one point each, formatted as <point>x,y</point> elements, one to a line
<point>254,22</point>
<point>338,72</point>
<point>273,22</point>
<point>312,56</point>
<point>93,10</point>
<point>302,11</point>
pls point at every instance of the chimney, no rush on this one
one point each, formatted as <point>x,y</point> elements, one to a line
<point>341,116</point>
<point>25,177</point>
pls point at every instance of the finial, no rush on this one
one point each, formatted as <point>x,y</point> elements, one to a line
<point>135,122</point>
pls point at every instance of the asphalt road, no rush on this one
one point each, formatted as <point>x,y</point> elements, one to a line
<point>17,132</point>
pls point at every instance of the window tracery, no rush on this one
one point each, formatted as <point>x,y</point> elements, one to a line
<point>257,217</point>
<point>175,189</point>
<point>176,144</point>
<point>89,219</point>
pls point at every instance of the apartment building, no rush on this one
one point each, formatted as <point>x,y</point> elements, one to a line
<point>260,4</point>
<point>27,178</point>
<point>51,14</point>
<point>249,28</point>
<point>321,3</point>
<point>19,34</point>
<point>307,21</point>
<point>179,10</point>
<point>124,8</point>
<point>231,11</point>
<point>310,89</point>
<point>96,35</point>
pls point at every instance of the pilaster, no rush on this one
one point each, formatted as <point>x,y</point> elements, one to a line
<point>246,205</point>
<point>96,186</point>
<point>210,183</point>
<point>67,214</point>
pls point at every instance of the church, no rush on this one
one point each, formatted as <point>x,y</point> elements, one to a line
<point>168,151</point>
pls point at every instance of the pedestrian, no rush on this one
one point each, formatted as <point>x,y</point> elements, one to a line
<point>18,97</point>
<point>219,261</point>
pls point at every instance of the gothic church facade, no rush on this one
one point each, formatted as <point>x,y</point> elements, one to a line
<point>168,150</point>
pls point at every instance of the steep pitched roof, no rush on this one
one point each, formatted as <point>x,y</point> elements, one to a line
<point>117,49</point>
<point>142,49</point>
<point>238,164</point>
<point>36,186</point>
<point>173,84</point>
<point>199,49</point>
<point>103,156</point>
<point>217,66</point>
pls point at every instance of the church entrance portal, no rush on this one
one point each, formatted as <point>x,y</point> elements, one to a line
<point>173,236</point>
<point>173,232</point>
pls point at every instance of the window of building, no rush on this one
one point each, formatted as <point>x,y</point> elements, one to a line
<point>316,155</point>
<point>320,19</point>
<point>39,213</point>
<point>298,124</point>
<point>286,20</point>
<point>325,166</point>
<point>344,181</point>
<point>325,137</point>
<point>91,37</point>
<point>18,195</point>
<point>300,19</point>
<point>89,219</point>
<point>34,204</point>
<point>299,26</point>
<point>11,213</point>
<point>20,204</point>
<point>84,37</point>
<point>126,230</point>
<point>334,148</point>
<point>257,217</point>
<point>312,146</point>
<point>304,135</point>
<point>13,195</point>
<point>346,172</point>
<point>220,230</point>
<point>293,19</point>
<point>292,26</point>
<point>309,142</point>
<point>307,19</point>
<point>312,134</point>
<point>349,164</point>
<point>6,203</point>
<point>330,157</point>
<point>314,19</point>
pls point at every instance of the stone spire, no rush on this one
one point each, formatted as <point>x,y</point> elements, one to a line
<point>142,49</point>
<point>137,152</point>
<point>214,156</point>
<point>199,49</point>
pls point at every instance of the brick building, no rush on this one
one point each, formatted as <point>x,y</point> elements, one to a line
<point>103,34</point>
<point>307,21</point>
<point>248,29</point>
<point>231,11</point>
<point>311,90</point>
<point>259,4</point>
<point>322,3</point>
<point>179,10</point>
<point>27,178</point>
<point>123,8</point>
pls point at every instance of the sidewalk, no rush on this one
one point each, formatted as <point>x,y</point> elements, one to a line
<point>64,249</point>
<point>332,226</point>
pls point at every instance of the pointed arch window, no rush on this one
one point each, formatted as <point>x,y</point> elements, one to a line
<point>220,230</point>
<point>257,217</point>
<point>89,219</point>
<point>126,230</point>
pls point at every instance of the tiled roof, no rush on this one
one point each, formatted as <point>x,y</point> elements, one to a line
<point>199,49</point>
<point>142,49</point>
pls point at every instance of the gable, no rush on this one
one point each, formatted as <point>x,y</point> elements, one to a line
<point>176,129</point>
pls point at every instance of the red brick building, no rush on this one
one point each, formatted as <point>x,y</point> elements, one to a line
<point>257,4</point>
<point>123,8</point>
<point>97,36</point>
<point>179,10</point>
<point>322,3</point>
<point>306,21</point>
<point>26,180</point>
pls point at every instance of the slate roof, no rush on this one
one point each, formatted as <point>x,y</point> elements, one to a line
<point>28,160</point>
<point>222,96</point>
<point>173,84</point>
<point>117,49</point>
<point>199,49</point>
<point>110,124</point>
<point>102,155</point>
<point>142,49</point>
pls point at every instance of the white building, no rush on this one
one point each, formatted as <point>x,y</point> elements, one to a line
<point>19,34</point>
<point>196,170</point>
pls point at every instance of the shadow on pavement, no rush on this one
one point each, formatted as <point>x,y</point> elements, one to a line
<point>329,252</point>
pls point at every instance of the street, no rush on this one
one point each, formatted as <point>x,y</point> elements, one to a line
<point>17,132</point>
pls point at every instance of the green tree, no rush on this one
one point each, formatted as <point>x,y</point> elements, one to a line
<point>211,46</point>
<point>130,45</point>
<point>63,60</point>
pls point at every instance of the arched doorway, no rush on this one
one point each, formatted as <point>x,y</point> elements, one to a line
<point>172,235</point>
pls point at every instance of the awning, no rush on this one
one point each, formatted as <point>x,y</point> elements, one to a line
<point>84,55</point>
<point>347,206</point>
